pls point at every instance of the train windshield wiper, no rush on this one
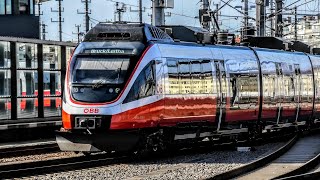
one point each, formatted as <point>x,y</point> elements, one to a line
<point>101,82</point>
<point>98,84</point>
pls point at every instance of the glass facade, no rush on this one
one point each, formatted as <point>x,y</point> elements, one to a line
<point>5,7</point>
<point>24,7</point>
<point>8,7</point>
<point>5,77</point>
<point>27,80</point>
<point>2,7</point>
<point>52,80</point>
<point>31,96</point>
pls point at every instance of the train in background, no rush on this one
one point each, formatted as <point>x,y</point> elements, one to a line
<point>131,86</point>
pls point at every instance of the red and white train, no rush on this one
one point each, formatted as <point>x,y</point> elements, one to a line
<point>131,86</point>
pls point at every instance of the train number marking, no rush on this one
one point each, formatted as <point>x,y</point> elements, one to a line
<point>91,110</point>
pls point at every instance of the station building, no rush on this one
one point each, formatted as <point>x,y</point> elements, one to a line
<point>31,70</point>
<point>18,19</point>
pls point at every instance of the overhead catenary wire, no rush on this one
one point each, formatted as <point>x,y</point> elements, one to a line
<point>238,11</point>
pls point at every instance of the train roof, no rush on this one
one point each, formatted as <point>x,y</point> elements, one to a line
<point>146,33</point>
<point>126,32</point>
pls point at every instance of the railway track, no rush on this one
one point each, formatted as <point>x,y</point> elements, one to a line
<point>28,148</point>
<point>16,170</point>
<point>296,157</point>
<point>26,169</point>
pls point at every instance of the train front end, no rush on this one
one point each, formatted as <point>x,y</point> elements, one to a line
<point>96,78</point>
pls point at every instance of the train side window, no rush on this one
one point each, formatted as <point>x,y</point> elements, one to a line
<point>317,86</point>
<point>207,77</point>
<point>174,87</point>
<point>197,83</point>
<point>244,89</point>
<point>184,76</point>
<point>144,85</point>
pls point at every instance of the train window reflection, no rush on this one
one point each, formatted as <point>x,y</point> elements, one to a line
<point>173,77</point>
<point>190,76</point>
<point>184,76</point>
<point>144,85</point>
<point>197,84</point>
<point>51,57</point>
<point>269,85</point>
<point>27,55</point>
<point>208,85</point>
<point>244,91</point>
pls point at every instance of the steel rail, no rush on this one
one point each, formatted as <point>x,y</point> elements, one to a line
<point>303,170</point>
<point>312,175</point>
<point>257,163</point>
<point>25,169</point>
<point>29,149</point>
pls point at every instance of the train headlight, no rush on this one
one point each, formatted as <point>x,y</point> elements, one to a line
<point>75,89</point>
<point>83,123</point>
<point>87,122</point>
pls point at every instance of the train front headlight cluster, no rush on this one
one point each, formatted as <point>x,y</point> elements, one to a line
<point>87,122</point>
<point>77,90</point>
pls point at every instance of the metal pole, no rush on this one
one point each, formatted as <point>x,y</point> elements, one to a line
<point>87,16</point>
<point>39,14</point>
<point>205,8</point>
<point>140,11</point>
<point>278,25</point>
<point>217,16</point>
<point>260,17</point>
<point>246,20</point>
<point>78,33</point>
<point>60,21</point>
<point>295,24</point>
<point>271,20</point>
<point>158,12</point>
<point>118,11</point>
<point>43,31</point>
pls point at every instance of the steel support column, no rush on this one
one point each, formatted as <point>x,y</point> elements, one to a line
<point>40,81</point>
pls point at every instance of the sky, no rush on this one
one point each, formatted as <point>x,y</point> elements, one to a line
<point>183,13</point>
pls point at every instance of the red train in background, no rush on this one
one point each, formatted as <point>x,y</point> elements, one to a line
<point>46,102</point>
<point>130,86</point>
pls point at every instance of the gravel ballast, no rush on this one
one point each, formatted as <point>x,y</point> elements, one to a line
<point>192,166</point>
<point>37,157</point>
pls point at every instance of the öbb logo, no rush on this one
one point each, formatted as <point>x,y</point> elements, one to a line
<point>91,110</point>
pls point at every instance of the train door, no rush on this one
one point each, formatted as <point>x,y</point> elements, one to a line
<point>221,87</point>
<point>287,106</point>
<point>279,83</point>
<point>297,84</point>
<point>158,111</point>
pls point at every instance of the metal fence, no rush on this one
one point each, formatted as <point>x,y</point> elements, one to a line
<point>31,79</point>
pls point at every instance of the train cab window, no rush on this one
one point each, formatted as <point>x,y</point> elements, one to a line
<point>144,85</point>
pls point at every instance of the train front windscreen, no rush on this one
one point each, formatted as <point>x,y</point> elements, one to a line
<point>98,79</point>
